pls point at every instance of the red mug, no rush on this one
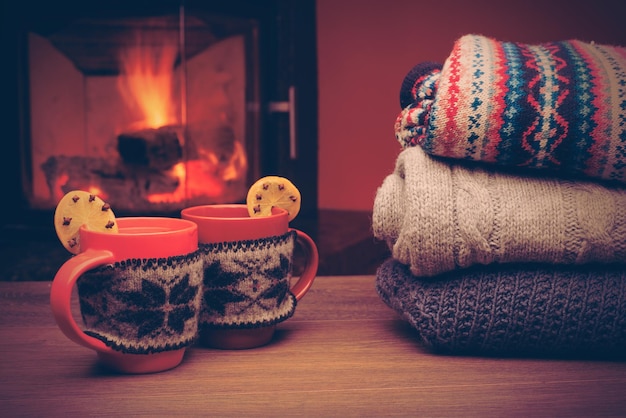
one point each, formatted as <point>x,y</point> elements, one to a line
<point>248,264</point>
<point>139,292</point>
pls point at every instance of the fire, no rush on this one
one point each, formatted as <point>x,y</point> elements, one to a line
<point>205,177</point>
<point>164,147</point>
<point>57,189</point>
<point>98,192</point>
<point>147,84</point>
<point>63,179</point>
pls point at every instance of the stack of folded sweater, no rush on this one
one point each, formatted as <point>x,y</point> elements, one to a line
<point>506,211</point>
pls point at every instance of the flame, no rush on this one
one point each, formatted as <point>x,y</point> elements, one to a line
<point>63,179</point>
<point>60,181</point>
<point>237,164</point>
<point>204,177</point>
<point>147,83</point>
<point>95,190</point>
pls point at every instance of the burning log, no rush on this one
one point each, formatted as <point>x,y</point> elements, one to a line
<point>157,149</point>
<point>149,173</point>
<point>125,186</point>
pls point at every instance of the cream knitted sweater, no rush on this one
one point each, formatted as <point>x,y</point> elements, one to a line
<point>440,215</point>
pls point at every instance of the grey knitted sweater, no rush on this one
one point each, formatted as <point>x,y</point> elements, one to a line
<point>441,215</point>
<point>514,309</point>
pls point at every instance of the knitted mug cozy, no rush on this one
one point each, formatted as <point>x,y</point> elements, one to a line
<point>558,106</point>
<point>513,310</point>
<point>246,283</point>
<point>142,306</point>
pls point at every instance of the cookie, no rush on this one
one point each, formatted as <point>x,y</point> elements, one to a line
<point>78,208</point>
<point>273,191</point>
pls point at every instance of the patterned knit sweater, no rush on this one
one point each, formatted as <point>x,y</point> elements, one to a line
<point>558,106</point>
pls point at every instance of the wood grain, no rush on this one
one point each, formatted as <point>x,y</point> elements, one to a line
<point>344,353</point>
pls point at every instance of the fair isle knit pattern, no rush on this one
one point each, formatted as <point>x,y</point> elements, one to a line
<point>438,216</point>
<point>559,106</point>
<point>513,310</point>
<point>143,306</point>
<point>247,283</point>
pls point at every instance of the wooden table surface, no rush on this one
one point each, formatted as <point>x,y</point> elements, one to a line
<point>343,353</point>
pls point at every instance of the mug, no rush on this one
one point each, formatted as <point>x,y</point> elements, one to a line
<point>248,263</point>
<point>139,292</point>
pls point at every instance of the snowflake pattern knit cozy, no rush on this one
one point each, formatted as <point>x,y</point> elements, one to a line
<point>246,283</point>
<point>558,106</point>
<point>143,306</point>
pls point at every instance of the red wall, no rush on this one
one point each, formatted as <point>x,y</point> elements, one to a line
<point>366,47</point>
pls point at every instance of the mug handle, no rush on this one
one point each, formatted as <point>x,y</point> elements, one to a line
<point>310,268</point>
<point>61,295</point>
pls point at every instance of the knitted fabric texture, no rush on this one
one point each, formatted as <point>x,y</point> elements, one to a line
<point>514,309</point>
<point>143,306</point>
<point>558,106</point>
<point>246,283</point>
<point>438,215</point>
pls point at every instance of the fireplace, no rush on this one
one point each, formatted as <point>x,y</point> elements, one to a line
<point>159,105</point>
<point>84,109</point>
<point>147,112</point>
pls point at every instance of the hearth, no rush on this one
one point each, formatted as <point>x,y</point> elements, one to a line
<point>159,105</point>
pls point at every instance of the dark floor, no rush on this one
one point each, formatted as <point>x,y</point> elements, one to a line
<point>344,241</point>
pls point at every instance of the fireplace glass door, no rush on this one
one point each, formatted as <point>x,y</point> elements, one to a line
<point>152,113</point>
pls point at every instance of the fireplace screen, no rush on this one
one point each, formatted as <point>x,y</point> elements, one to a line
<point>151,113</point>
